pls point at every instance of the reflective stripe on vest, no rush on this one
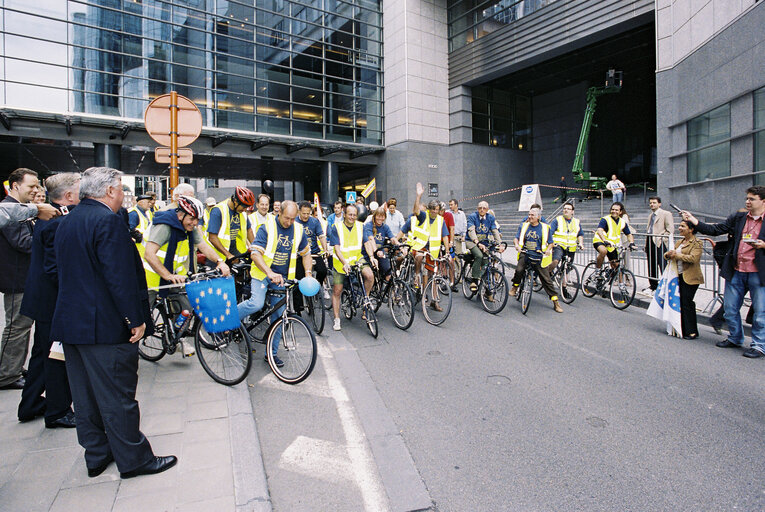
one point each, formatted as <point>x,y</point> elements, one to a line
<point>271,245</point>
<point>180,262</point>
<point>255,221</point>
<point>144,223</point>
<point>324,228</point>
<point>224,232</point>
<point>565,235</point>
<point>350,244</point>
<point>427,232</point>
<point>546,258</point>
<point>614,233</point>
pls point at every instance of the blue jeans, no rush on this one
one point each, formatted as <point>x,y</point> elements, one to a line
<point>618,196</point>
<point>735,290</point>
<point>258,288</point>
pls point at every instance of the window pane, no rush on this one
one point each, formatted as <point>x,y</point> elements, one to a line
<point>709,163</point>
<point>709,128</point>
<point>759,108</point>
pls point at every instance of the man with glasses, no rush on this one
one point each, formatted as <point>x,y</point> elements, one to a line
<point>479,225</point>
<point>743,269</point>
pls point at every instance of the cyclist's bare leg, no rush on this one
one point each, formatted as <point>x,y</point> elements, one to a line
<point>602,251</point>
<point>337,292</point>
<point>369,279</point>
<point>418,267</point>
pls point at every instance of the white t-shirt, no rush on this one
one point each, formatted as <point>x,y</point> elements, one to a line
<point>614,185</point>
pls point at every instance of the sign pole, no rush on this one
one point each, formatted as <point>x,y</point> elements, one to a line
<point>173,139</point>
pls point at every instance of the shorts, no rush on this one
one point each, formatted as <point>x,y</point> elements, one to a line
<point>612,255</point>
<point>559,252</point>
<point>339,277</point>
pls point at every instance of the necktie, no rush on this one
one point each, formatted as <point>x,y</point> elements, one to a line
<point>650,223</point>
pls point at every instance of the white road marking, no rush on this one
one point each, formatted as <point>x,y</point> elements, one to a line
<point>318,458</point>
<point>311,386</point>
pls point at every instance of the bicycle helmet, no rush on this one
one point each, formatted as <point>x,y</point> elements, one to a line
<point>191,206</point>
<point>244,196</point>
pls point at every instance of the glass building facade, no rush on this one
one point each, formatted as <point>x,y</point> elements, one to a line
<point>308,68</point>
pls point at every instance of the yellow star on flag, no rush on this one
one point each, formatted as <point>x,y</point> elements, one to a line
<point>202,293</point>
<point>218,291</point>
<point>210,290</point>
<point>225,296</point>
<point>215,320</point>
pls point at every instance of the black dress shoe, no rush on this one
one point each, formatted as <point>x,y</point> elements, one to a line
<point>691,337</point>
<point>66,421</point>
<point>17,384</point>
<point>753,353</point>
<point>94,472</point>
<point>24,419</point>
<point>155,465</point>
<point>727,344</point>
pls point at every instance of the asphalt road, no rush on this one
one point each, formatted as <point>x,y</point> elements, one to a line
<point>592,409</point>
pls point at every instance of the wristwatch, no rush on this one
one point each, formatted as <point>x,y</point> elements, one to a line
<point>220,260</point>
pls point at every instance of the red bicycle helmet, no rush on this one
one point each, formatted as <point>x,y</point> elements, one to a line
<point>244,196</point>
<point>191,206</point>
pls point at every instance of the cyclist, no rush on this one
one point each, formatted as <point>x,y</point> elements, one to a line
<point>230,230</point>
<point>170,246</point>
<point>274,258</point>
<point>346,239</point>
<point>479,225</point>
<point>534,238</point>
<point>261,214</point>
<point>376,232</point>
<point>567,235</point>
<point>314,232</point>
<point>428,230</point>
<point>608,236</point>
<point>139,219</point>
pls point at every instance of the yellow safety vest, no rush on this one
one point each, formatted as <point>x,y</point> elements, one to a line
<point>224,232</point>
<point>422,234</point>
<point>614,233</point>
<point>350,244</point>
<point>546,258</point>
<point>565,235</point>
<point>271,245</point>
<point>144,221</point>
<point>180,262</point>
<point>255,222</point>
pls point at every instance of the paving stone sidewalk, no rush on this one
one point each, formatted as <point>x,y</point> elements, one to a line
<point>209,427</point>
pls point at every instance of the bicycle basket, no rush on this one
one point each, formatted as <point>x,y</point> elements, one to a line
<point>214,302</point>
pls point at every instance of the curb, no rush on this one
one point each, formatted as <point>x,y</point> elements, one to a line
<point>250,484</point>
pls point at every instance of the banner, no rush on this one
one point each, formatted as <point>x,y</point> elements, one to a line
<point>369,188</point>
<point>529,195</point>
<point>214,302</point>
<point>665,304</point>
<point>317,204</point>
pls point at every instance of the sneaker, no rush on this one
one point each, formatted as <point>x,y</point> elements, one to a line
<point>647,291</point>
<point>278,362</point>
<point>188,349</point>
<point>326,295</point>
<point>557,307</point>
<point>473,286</point>
<point>336,325</point>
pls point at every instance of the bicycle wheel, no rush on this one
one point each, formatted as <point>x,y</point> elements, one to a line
<point>537,284</point>
<point>458,264</point>
<point>590,280</point>
<point>225,356</point>
<point>466,276</point>
<point>623,288</point>
<point>371,318</point>
<point>437,301</point>
<point>316,312</point>
<point>568,283</point>
<point>345,304</point>
<point>526,289</point>
<point>401,304</point>
<point>296,349</point>
<point>494,291</point>
<point>152,347</point>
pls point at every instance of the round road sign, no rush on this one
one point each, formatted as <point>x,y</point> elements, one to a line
<point>157,120</point>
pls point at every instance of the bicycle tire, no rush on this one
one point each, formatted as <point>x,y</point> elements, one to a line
<point>297,349</point>
<point>537,284</point>
<point>371,319</point>
<point>466,291</point>
<point>401,304</point>
<point>622,289</point>
<point>458,264</point>
<point>589,283</point>
<point>570,276</point>
<point>326,292</point>
<point>154,347</point>
<point>225,356</point>
<point>494,283</point>
<point>317,313</point>
<point>345,305</point>
<point>525,292</point>
<point>439,292</point>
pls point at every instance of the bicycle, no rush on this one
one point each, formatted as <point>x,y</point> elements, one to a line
<point>297,345</point>
<point>620,281</point>
<point>437,293</point>
<point>565,276</point>
<point>314,307</point>
<point>354,297</point>
<point>526,288</point>
<point>493,287</point>
<point>397,294</point>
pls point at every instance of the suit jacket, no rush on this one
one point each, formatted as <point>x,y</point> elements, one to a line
<point>15,253</point>
<point>41,287</point>
<point>733,226</point>
<point>101,283</point>
<point>690,255</point>
<point>663,225</point>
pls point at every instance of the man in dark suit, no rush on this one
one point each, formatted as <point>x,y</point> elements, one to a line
<point>101,311</point>
<point>45,374</point>
<point>743,269</point>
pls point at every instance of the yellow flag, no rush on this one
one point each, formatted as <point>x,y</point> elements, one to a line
<point>369,188</point>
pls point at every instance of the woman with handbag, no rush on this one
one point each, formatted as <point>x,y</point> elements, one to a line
<point>687,254</point>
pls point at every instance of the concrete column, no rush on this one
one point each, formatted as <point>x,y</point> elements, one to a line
<point>108,155</point>
<point>329,182</point>
<point>299,191</point>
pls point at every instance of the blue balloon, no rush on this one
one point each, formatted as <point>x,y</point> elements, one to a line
<point>309,286</point>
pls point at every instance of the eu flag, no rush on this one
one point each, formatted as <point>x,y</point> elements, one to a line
<point>214,302</point>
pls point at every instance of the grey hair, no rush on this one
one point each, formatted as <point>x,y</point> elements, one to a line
<point>434,204</point>
<point>96,180</point>
<point>183,189</point>
<point>61,183</point>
